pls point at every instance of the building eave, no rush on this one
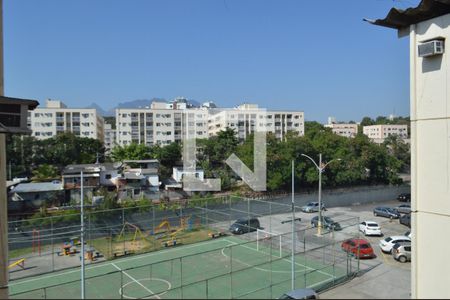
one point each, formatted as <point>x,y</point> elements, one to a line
<point>401,19</point>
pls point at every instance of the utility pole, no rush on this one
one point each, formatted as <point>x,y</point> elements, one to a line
<point>4,293</point>
<point>293,233</point>
<point>82,237</point>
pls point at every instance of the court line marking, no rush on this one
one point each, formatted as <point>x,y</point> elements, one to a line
<point>258,268</point>
<point>132,278</point>
<point>106,264</point>
<point>169,286</point>
<point>298,264</point>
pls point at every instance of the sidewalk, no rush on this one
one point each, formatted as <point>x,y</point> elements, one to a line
<point>382,282</point>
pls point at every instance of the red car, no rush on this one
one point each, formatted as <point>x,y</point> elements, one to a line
<point>365,249</point>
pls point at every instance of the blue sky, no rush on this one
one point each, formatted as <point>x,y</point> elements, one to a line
<point>315,56</point>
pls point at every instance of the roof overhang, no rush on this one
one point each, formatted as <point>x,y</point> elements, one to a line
<point>14,114</point>
<point>401,19</point>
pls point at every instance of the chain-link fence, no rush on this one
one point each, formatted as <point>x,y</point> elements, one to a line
<point>239,269</point>
<point>53,243</point>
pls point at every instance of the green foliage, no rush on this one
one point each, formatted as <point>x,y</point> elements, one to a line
<point>168,156</point>
<point>131,152</point>
<point>45,172</point>
<point>27,153</point>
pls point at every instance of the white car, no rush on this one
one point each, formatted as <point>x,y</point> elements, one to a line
<point>389,242</point>
<point>370,228</point>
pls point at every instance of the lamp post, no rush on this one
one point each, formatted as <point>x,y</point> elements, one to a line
<point>320,167</point>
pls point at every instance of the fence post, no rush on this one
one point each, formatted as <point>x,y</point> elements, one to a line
<point>53,251</point>
<point>206,211</point>
<point>121,284</point>
<point>270,216</point>
<point>229,211</point>
<point>231,271</point>
<point>181,276</point>
<point>123,228</point>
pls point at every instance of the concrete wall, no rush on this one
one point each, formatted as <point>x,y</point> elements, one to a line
<point>430,160</point>
<point>349,196</point>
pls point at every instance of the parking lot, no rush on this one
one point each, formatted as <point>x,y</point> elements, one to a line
<point>388,279</point>
<point>382,277</point>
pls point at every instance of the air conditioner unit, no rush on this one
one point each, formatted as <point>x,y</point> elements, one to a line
<point>431,48</point>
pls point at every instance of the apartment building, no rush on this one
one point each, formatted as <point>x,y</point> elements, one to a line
<point>160,124</point>
<point>246,117</point>
<point>378,133</point>
<point>349,130</point>
<point>428,28</point>
<point>110,138</point>
<point>56,118</point>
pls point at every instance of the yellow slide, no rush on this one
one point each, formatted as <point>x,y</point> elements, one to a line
<point>20,263</point>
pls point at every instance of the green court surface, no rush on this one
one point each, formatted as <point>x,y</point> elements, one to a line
<point>220,268</point>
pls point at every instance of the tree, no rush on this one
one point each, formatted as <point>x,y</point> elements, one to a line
<point>133,151</point>
<point>45,173</point>
<point>168,156</point>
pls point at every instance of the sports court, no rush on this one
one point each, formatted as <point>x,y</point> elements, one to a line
<point>227,267</point>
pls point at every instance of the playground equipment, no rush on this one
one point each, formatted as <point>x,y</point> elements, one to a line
<point>134,245</point>
<point>137,231</point>
<point>172,241</point>
<point>68,248</point>
<point>20,263</point>
<point>36,242</point>
<point>186,223</point>
<point>217,234</point>
<point>163,225</point>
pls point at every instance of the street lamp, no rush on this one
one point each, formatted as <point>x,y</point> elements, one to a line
<point>320,167</point>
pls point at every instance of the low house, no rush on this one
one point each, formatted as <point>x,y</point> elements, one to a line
<point>178,174</point>
<point>95,176</point>
<point>33,195</point>
<point>142,179</point>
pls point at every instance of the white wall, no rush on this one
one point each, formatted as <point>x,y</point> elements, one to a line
<point>430,170</point>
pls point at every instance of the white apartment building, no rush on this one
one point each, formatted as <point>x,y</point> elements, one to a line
<point>378,133</point>
<point>428,25</point>
<point>160,124</point>
<point>56,118</point>
<point>110,138</point>
<point>349,130</point>
<point>244,118</point>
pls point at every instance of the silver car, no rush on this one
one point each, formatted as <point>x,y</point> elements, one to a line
<point>312,207</point>
<point>403,209</point>
<point>402,252</point>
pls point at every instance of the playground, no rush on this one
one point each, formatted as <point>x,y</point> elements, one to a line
<point>224,267</point>
<point>130,240</point>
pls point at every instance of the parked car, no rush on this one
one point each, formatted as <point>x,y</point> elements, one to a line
<point>327,223</point>
<point>402,252</point>
<point>386,212</point>
<point>405,197</point>
<point>408,234</point>
<point>370,228</point>
<point>244,225</point>
<point>406,220</point>
<point>359,248</point>
<point>312,207</point>
<point>403,208</point>
<point>389,242</point>
<point>300,294</point>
